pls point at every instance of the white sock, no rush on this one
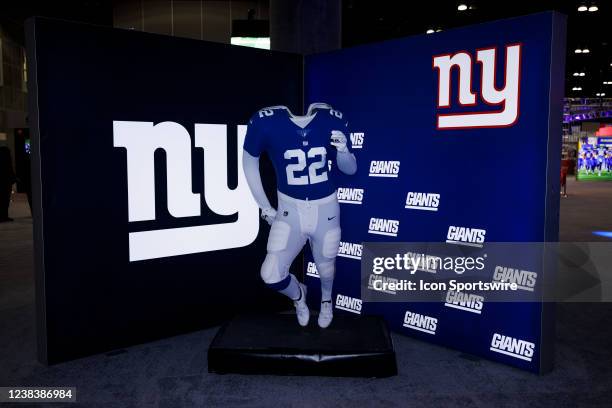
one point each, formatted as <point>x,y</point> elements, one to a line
<point>327,284</point>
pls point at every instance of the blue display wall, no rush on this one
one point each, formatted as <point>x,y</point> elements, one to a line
<point>457,137</point>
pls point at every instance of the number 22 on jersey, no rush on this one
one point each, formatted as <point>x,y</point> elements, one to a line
<point>312,177</point>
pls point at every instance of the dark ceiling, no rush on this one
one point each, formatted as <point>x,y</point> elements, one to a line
<point>373,20</point>
<point>13,13</point>
<point>367,21</point>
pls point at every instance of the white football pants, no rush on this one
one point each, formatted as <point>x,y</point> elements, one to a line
<point>297,221</point>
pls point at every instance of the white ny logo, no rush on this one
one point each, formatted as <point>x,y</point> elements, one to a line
<point>506,98</point>
<point>141,140</point>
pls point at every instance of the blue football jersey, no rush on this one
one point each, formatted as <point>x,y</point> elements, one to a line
<point>299,155</point>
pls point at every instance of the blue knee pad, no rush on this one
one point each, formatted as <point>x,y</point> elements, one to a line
<point>281,285</point>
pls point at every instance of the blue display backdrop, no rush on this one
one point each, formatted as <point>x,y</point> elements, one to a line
<point>470,118</point>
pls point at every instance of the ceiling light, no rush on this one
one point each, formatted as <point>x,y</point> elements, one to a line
<point>430,31</point>
<point>593,8</point>
<point>438,30</point>
<point>576,74</point>
<point>582,8</point>
<point>582,74</point>
<point>462,7</point>
<point>576,88</point>
<point>578,51</point>
<point>607,82</point>
<point>585,51</point>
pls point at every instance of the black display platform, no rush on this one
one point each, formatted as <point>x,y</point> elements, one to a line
<point>276,344</point>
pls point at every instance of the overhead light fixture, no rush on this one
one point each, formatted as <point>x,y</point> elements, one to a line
<point>462,7</point>
<point>593,8</point>
<point>251,33</point>
<point>253,42</point>
<point>578,74</point>
<point>600,94</point>
<point>582,7</point>
<point>577,88</point>
<point>430,31</point>
<point>607,83</point>
<point>585,50</point>
<point>578,51</point>
<point>438,30</point>
<point>582,74</point>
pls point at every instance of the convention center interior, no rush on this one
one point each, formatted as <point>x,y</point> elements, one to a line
<point>331,203</point>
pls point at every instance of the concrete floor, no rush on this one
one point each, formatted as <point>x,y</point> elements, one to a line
<point>173,373</point>
<point>587,208</point>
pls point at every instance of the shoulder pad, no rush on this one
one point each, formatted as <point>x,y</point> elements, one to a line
<point>317,105</point>
<point>275,107</point>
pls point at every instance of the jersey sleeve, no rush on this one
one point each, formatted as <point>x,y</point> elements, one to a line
<point>254,142</point>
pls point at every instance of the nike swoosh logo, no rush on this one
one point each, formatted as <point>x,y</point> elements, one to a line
<point>329,219</point>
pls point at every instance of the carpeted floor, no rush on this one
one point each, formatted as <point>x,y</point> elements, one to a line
<point>173,373</point>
